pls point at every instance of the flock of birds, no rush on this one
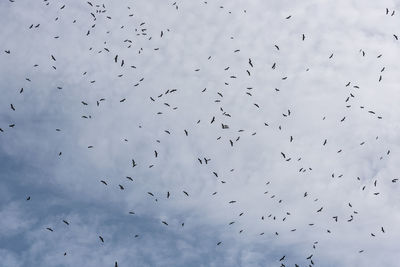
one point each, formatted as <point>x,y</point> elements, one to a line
<point>99,12</point>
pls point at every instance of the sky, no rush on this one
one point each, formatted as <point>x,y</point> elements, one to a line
<point>226,133</point>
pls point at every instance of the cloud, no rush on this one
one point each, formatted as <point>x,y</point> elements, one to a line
<point>298,139</point>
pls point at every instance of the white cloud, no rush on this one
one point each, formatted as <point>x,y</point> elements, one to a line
<point>69,185</point>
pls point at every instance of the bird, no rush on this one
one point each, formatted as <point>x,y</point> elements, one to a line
<point>250,63</point>
<point>101,238</point>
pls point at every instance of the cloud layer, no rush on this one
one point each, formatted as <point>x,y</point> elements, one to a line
<point>263,133</point>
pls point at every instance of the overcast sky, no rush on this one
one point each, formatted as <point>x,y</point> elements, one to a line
<point>262,132</point>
